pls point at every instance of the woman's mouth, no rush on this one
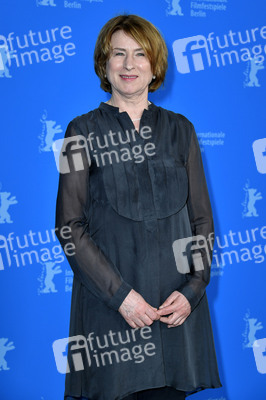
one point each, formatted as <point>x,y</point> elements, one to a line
<point>128,77</point>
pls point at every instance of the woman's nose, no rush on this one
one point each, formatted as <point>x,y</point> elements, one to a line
<point>129,61</point>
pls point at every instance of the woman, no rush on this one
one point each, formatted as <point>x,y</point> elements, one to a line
<point>133,188</point>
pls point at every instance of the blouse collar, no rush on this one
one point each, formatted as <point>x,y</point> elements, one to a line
<point>115,110</point>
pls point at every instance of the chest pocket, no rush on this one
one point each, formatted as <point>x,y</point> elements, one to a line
<point>152,189</point>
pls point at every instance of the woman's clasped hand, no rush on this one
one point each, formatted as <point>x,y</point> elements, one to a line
<point>138,313</point>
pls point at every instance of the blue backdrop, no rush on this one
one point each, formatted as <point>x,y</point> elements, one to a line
<point>217,79</point>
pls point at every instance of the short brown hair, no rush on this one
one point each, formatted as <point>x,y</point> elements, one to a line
<point>144,33</point>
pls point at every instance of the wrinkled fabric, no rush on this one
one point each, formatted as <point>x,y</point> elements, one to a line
<point>124,217</point>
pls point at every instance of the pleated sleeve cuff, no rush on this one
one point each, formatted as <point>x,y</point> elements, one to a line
<point>190,295</point>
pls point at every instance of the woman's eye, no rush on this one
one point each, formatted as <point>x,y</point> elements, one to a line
<point>119,54</point>
<point>140,54</point>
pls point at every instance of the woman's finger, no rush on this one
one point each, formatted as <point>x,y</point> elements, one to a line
<point>131,323</point>
<point>167,310</point>
<point>177,322</point>
<point>138,322</point>
<point>169,300</point>
<point>152,313</point>
<point>147,320</point>
<point>167,320</point>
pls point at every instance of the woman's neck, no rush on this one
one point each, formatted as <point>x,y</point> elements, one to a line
<point>133,106</point>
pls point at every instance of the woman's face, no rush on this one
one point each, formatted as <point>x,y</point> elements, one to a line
<point>128,69</point>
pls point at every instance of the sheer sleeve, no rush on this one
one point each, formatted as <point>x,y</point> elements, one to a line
<point>201,221</point>
<point>86,259</point>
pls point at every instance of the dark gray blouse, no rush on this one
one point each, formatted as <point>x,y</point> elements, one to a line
<point>127,197</point>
